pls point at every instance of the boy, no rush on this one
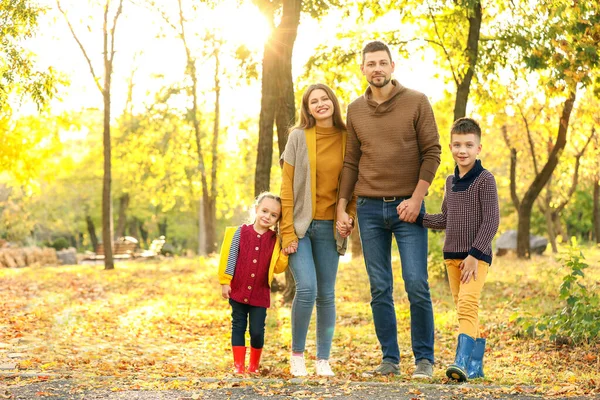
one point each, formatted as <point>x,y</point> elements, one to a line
<point>471,217</point>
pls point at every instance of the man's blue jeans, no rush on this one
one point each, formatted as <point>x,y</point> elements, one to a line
<point>378,221</point>
<point>314,267</point>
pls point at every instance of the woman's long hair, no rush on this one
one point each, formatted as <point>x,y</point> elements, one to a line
<point>307,121</point>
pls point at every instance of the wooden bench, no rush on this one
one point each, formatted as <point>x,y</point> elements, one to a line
<point>120,250</point>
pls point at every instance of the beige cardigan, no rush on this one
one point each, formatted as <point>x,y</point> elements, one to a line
<point>301,153</point>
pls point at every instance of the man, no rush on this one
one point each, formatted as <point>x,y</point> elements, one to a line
<point>392,155</point>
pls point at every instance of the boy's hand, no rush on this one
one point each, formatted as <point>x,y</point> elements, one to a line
<point>468,269</point>
<point>225,291</point>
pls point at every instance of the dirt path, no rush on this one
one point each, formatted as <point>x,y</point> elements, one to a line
<point>271,389</point>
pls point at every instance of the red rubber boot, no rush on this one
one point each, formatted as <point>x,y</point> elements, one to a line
<point>239,359</point>
<point>254,360</point>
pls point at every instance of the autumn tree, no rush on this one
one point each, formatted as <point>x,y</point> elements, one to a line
<point>20,80</point>
<point>556,40</point>
<point>19,19</point>
<point>562,184</point>
<point>277,102</point>
<point>109,27</point>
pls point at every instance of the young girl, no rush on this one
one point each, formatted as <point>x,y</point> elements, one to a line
<point>250,254</point>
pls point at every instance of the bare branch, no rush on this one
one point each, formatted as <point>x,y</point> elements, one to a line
<point>513,169</point>
<point>530,139</point>
<point>575,180</point>
<point>452,69</point>
<point>112,31</point>
<point>87,58</point>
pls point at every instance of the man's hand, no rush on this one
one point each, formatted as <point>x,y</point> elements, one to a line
<point>344,224</point>
<point>225,291</point>
<point>409,210</point>
<point>468,269</point>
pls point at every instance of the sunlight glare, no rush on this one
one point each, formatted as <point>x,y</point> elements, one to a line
<point>241,25</point>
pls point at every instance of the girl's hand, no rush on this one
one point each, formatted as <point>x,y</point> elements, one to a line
<point>225,291</point>
<point>292,248</point>
<point>468,269</point>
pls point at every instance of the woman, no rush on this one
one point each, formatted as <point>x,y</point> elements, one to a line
<point>313,161</point>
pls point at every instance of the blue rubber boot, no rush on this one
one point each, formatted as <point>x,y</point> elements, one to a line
<point>464,348</point>
<point>475,368</point>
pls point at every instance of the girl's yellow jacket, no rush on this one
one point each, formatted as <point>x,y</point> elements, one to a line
<point>279,261</point>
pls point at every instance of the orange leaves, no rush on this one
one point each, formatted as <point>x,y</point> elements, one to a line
<point>164,326</point>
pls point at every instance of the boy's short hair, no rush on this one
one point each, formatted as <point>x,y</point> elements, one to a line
<point>372,47</point>
<point>464,126</point>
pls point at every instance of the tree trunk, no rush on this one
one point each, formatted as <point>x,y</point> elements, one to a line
<point>277,100</point>
<point>162,228</point>
<point>210,227</point>
<point>558,228</point>
<point>264,153</point>
<point>143,233</point>
<point>550,228</point>
<point>210,203</point>
<point>290,287</point>
<point>108,35</point>
<point>201,231</point>
<point>523,250</point>
<point>107,223</point>
<point>92,232</point>
<point>472,51</point>
<point>597,209</point>
<point>122,220</point>
<point>355,245</point>
<point>132,228</point>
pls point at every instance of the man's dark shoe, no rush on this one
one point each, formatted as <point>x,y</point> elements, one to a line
<point>385,368</point>
<point>424,370</point>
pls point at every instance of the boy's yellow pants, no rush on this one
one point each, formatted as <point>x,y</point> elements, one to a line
<point>466,296</point>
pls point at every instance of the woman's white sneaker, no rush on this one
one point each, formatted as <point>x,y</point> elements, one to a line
<point>323,368</point>
<point>297,366</point>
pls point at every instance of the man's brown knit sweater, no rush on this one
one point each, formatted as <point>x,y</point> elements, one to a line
<point>391,146</point>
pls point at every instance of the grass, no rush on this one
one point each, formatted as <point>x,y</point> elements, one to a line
<point>145,322</point>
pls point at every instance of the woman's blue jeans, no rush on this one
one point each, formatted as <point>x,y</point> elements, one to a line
<point>314,267</point>
<point>378,221</point>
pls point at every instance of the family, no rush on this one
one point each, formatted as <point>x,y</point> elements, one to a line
<point>373,171</point>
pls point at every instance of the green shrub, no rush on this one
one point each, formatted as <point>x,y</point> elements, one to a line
<point>435,258</point>
<point>60,243</point>
<point>578,321</point>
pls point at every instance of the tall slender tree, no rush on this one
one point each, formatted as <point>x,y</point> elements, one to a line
<point>109,27</point>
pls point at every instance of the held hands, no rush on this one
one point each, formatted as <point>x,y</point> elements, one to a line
<point>409,210</point>
<point>292,248</point>
<point>225,291</point>
<point>344,224</point>
<point>468,268</point>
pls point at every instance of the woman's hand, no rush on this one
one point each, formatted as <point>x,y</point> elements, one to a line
<point>292,248</point>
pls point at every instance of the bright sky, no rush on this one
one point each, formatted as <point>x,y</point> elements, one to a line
<point>139,48</point>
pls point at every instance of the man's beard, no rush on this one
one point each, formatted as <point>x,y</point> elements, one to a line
<point>380,85</point>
